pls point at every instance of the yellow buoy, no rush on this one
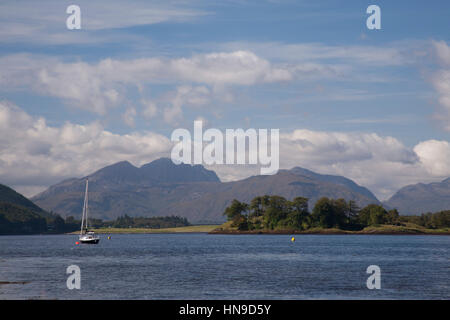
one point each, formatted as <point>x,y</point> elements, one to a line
<point>292,239</point>
<point>109,237</point>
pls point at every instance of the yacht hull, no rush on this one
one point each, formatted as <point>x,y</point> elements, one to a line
<point>89,241</point>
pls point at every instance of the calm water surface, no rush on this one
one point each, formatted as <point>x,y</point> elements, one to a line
<point>202,266</point>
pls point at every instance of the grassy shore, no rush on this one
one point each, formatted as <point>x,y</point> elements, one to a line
<point>226,228</point>
<point>188,229</point>
<point>406,229</point>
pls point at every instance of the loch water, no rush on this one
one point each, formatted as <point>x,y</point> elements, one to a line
<point>212,266</point>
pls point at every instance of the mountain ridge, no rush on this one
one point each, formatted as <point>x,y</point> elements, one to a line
<point>334,178</point>
<point>161,188</point>
<point>421,198</point>
<point>159,170</point>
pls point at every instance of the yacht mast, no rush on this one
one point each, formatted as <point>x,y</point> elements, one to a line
<point>85,209</point>
<point>86,199</point>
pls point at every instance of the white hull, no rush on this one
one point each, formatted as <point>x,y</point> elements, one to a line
<point>90,240</point>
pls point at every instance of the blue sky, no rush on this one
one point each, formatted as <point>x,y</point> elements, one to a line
<point>139,69</point>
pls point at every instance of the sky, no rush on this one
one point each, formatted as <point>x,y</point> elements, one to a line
<point>371,105</point>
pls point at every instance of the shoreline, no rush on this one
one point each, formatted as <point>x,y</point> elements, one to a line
<point>218,229</point>
<point>187,229</point>
<point>343,233</point>
<point>332,231</point>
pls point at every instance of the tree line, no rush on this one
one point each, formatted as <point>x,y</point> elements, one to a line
<point>437,220</point>
<point>135,222</point>
<point>276,212</point>
<point>143,222</point>
<point>16,219</point>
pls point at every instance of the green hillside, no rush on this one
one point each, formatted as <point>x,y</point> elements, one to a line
<point>18,215</point>
<point>8,195</point>
<point>15,219</point>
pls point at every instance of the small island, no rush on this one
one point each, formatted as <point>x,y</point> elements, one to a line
<point>277,215</point>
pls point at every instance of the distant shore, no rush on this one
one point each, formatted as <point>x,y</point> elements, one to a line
<point>188,229</point>
<point>372,230</point>
<point>226,229</point>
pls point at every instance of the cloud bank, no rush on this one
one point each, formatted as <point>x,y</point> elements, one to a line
<point>440,80</point>
<point>35,155</point>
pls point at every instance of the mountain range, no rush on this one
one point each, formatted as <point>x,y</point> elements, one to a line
<point>161,188</point>
<point>421,198</point>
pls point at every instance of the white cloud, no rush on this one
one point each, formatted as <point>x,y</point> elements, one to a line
<point>78,83</point>
<point>149,109</point>
<point>34,155</point>
<point>333,147</point>
<point>233,68</point>
<point>99,86</point>
<point>440,80</point>
<point>129,115</point>
<point>381,163</point>
<point>387,55</point>
<point>441,83</point>
<point>434,156</point>
<point>442,51</point>
<point>194,96</point>
<point>173,114</point>
<point>26,22</point>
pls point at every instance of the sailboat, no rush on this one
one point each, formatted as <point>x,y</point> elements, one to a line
<point>87,236</point>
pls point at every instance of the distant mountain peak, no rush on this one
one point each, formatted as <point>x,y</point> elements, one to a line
<point>160,162</point>
<point>300,170</point>
<point>422,198</point>
<point>116,166</point>
<point>164,170</point>
<point>334,179</point>
<point>120,171</point>
<point>163,160</point>
<point>162,187</point>
<point>161,170</point>
<point>124,163</point>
